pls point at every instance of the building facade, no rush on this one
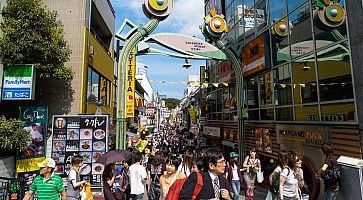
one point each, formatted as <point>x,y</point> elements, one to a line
<point>301,61</point>
<point>89,28</point>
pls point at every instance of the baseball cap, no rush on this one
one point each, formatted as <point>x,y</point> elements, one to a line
<point>48,162</point>
<point>233,155</point>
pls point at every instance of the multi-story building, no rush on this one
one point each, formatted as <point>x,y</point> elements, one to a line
<point>89,27</point>
<point>302,65</point>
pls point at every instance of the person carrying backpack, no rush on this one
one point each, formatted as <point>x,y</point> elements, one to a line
<point>330,173</point>
<point>274,178</point>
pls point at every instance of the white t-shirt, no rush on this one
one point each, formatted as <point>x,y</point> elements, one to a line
<point>235,173</point>
<point>72,175</point>
<point>137,174</point>
<point>290,186</point>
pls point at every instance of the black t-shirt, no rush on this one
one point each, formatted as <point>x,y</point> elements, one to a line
<point>332,164</point>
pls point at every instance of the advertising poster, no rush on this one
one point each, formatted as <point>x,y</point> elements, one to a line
<point>253,56</point>
<point>35,122</point>
<point>85,135</point>
<point>263,140</point>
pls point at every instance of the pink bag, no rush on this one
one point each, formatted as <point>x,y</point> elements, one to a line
<point>250,192</point>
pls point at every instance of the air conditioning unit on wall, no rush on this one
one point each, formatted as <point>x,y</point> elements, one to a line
<point>91,51</point>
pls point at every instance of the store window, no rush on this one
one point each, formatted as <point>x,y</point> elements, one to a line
<point>266,88</point>
<point>338,112</point>
<point>282,85</point>
<point>252,92</point>
<point>284,114</point>
<point>253,114</point>
<point>267,114</point>
<point>98,88</point>
<point>300,31</point>
<point>293,4</point>
<point>304,80</point>
<point>307,113</point>
<point>220,100</point>
<point>329,27</point>
<point>278,9</point>
<point>335,79</point>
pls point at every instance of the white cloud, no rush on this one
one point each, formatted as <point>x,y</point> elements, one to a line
<point>186,17</point>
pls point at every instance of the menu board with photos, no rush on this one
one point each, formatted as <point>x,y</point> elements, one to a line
<point>85,135</point>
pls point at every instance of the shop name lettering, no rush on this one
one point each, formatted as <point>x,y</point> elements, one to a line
<point>17,82</point>
<point>197,46</point>
<point>32,115</point>
<point>329,118</point>
<point>310,137</point>
<point>94,122</point>
<point>130,76</point>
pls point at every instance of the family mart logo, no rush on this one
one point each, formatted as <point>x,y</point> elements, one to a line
<point>17,82</point>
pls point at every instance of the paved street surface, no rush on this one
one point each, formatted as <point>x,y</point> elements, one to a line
<point>260,194</point>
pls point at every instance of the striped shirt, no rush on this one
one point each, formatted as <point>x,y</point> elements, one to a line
<point>47,189</point>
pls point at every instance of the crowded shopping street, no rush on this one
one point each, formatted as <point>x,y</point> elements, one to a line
<point>181,100</point>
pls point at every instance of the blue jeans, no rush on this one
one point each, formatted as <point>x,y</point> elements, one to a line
<point>330,194</point>
<point>236,186</point>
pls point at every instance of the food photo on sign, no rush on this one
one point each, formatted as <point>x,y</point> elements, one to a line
<point>34,146</point>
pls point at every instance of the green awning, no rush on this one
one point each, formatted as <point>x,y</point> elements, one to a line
<point>228,143</point>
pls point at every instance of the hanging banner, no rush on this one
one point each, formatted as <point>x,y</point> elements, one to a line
<point>130,85</point>
<point>85,135</point>
<point>19,81</point>
<point>193,115</point>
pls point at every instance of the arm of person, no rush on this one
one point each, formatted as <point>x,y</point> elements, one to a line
<point>28,195</point>
<point>73,177</point>
<point>64,195</point>
<point>272,176</point>
<point>186,192</point>
<point>110,181</point>
<point>281,189</point>
<point>245,165</point>
<point>321,170</point>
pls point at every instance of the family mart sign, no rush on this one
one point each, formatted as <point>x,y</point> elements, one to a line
<point>19,81</point>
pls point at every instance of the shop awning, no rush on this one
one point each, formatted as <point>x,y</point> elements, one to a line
<point>228,143</point>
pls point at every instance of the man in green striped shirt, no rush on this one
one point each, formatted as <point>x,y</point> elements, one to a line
<point>47,185</point>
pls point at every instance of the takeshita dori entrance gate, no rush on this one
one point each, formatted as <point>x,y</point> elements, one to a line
<point>181,46</point>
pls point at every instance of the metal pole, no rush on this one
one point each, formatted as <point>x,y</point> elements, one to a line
<point>240,96</point>
<point>1,56</point>
<point>122,66</point>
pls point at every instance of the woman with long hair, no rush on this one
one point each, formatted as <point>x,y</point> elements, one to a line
<point>275,176</point>
<point>299,174</point>
<point>171,175</point>
<point>234,174</point>
<point>187,164</point>
<point>108,178</point>
<point>288,182</point>
<point>251,166</point>
<point>330,163</point>
<point>155,170</point>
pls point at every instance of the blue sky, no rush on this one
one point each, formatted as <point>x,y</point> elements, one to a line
<point>185,18</point>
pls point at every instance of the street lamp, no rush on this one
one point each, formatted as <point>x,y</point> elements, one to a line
<point>186,65</point>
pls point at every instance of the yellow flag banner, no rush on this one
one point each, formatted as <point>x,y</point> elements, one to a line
<point>193,115</point>
<point>28,165</point>
<point>130,85</point>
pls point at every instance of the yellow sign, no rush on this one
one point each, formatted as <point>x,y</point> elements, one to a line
<point>130,85</point>
<point>28,165</point>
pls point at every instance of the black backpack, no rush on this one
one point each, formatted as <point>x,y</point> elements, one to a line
<point>331,175</point>
<point>275,186</point>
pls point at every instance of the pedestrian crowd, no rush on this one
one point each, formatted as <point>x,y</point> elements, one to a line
<point>168,169</point>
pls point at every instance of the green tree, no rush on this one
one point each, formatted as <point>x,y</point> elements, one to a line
<point>12,137</point>
<point>33,35</point>
<point>171,103</point>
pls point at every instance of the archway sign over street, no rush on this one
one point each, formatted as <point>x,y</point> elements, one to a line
<point>180,46</point>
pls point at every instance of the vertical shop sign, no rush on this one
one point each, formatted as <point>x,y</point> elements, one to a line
<point>19,81</point>
<point>86,135</point>
<point>130,85</point>
<point>35,120</point>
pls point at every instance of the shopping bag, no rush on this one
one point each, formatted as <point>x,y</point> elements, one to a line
<point>269,195</point>
<point>86,193</point>
<point>260,177</point>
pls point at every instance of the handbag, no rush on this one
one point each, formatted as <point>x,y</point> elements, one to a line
<point>259,176</point>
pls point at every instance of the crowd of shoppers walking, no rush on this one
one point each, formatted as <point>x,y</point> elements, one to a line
<point>166,168</point>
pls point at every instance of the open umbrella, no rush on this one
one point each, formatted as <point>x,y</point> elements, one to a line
<point>113,156</point>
